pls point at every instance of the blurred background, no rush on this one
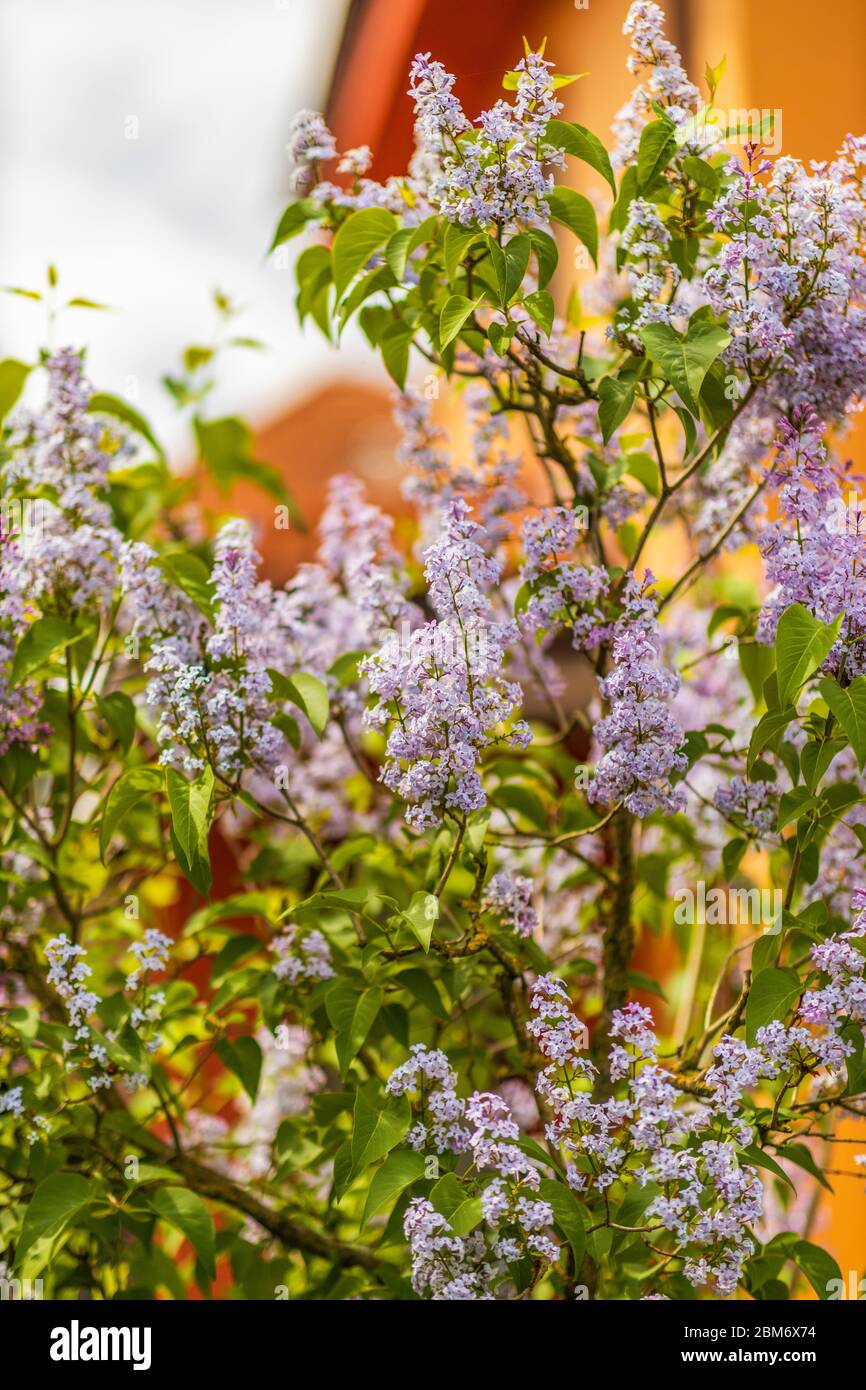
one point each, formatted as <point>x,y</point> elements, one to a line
<point>142,151</point>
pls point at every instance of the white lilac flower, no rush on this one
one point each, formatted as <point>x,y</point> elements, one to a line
<point>151,955</point>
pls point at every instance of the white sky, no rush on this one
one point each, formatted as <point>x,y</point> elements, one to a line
<point>151,225</point>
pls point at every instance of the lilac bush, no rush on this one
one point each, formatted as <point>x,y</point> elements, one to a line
<point>460,770</point>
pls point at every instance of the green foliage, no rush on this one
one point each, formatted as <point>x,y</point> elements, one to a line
<point>347,938</point>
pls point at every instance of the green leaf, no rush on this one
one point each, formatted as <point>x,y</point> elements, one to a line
<point>714,75</point>
<point>41,640</point>
<point>818,1266</point>
<point>685,361</point>
<point>732,854</point>
<point>104,404</point>
<point>243,1057</point>
<point>509,264</point>
<point>359,238</point>
<point>524,801</point>
<point>541,308</point>
<point>816,757</point>
<point>393,1177</point>
<point>457,242</point>
<point>767,733</point>
<point>773,994</point>
<point>293,220</point>
<point>352,1015</point>
<point>765,951</point>
<point>455,313</point>
<point>342,899</point>
<point>703,174</point>
<point>191,806</point>
<point>226,447</point>
<point>757,662</point>
<point>422,915</point>
<point>631,1209</point>
<point>127,1051</point>
<point>379,1123</point>
<point>616,400</point>
<point>802,644</point>
<point>449,1197</point>
<point>794,804</point>
<point>118,711</point>
<point>374,281</point>
<point>187,1212</point>
<point>658,143</point>
<point>13,375</point>
<point>130,788</point>
<point>307,692</point>
<point>394,345</point>
<point>568,1215</point>
<point>192,577</point>
<point>646,470</point>
<point>546,255</point>
<point>802,1155</point>
<point>422,988</point>
<point>397,252</point>
<point>760,1159</point>
<point>577,140</point>
<point>848,704</point>
<point>53,1205</point>
<point>575,212</point>
<point>627,193</point>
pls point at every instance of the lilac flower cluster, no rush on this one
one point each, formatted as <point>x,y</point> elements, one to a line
<point>665,81</point>
<point>747,214</point>
<point>498,171</point>
<point>440,1126</point>
<point>561,591</point>
<point>641,738</point>
<point>151,955</point>
<point>19,699</point>
<point>434,480</point>
<point>754,804</point>
<point>507,1200</point>
<point>63,453</point>
<point>510,897</point>
<point>708,1198</point>
<point>441,692</point>
<point>653,278</point>
<point>815,549</point>
<point>311,144</point>
<point>214,696</point>
<point>422,450</point>
<point>12,1103</point>
<point>446,1266</point>
<point>302,956</point>
<point>356,548</point>
<point>844,995</point>
<point>791,279</point>
<point>68,972</point>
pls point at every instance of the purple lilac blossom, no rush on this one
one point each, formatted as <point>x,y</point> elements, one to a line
<point>641,738</point>
<point>441,695</point>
